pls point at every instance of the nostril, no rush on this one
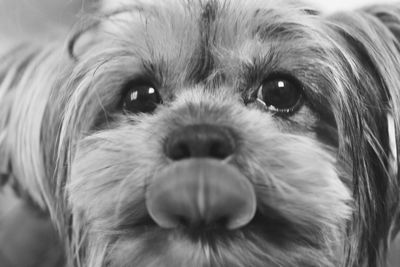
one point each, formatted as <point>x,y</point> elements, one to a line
<point>220,150</point>
<point>200,140</point>
<point>179,150</point>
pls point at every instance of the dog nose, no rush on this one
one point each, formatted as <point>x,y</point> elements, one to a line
<point>201,194</point>
<point>200,141</point>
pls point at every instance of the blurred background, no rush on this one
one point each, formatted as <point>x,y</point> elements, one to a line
<point>26,236</point>
<point>332,6</point>
<point>36,19</point>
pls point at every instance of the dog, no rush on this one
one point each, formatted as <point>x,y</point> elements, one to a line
<point>210,133</point>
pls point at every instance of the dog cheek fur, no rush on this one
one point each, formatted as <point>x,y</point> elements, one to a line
<point>109,162</point>
<point>317,191</point>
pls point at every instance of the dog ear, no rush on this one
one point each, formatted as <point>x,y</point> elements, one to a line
<point>371,37</point>
<point>389,16</point>
<point>107,5</point>
<point>100,23</point>
<point>81,40</point>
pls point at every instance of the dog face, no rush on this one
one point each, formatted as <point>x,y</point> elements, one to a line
<point>212,133</point>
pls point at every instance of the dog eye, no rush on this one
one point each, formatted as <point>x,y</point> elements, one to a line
<point>280,94</point>
<point>141,98</point>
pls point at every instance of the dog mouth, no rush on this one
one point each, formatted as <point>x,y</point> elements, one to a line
<point>274,230</point>
<point>209,201</point>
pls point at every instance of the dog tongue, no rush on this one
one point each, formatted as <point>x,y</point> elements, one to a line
<point>201,193</point>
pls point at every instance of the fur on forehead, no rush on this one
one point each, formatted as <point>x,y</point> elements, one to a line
<point>137,22</point>
<point>107,5</point>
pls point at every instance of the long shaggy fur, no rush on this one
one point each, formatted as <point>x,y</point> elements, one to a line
<point>327,189</point>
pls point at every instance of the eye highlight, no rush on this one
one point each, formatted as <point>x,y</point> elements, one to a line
<point>141,97</point>
<point>280,94</point>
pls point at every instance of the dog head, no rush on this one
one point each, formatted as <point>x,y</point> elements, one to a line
<point>215,133</point>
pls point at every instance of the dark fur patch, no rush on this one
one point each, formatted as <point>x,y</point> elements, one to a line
<point>202,62</point>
